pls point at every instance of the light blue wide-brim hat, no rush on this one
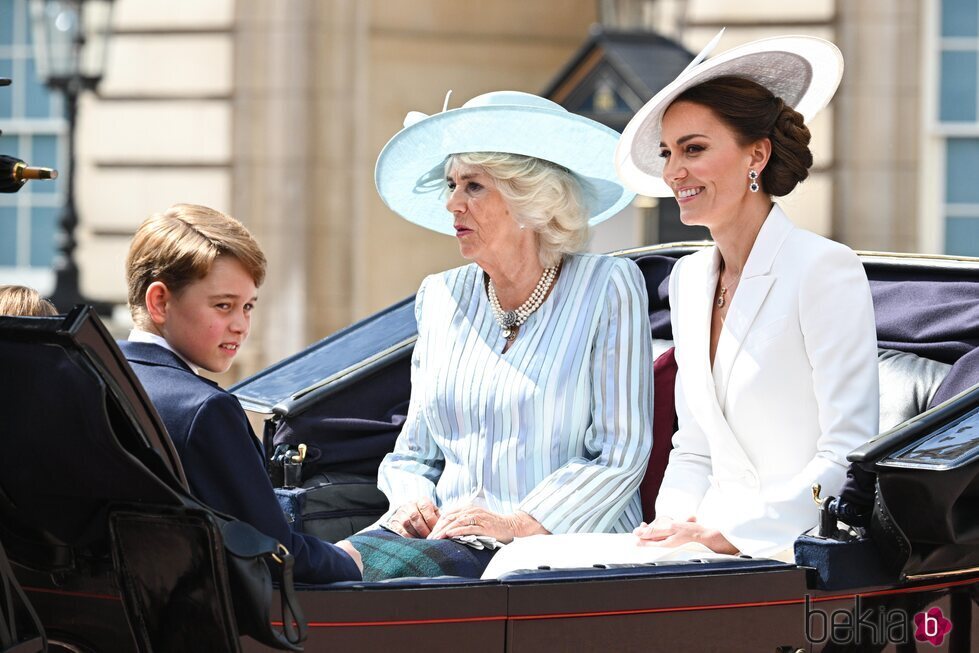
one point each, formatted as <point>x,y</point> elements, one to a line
<point>410,172</point>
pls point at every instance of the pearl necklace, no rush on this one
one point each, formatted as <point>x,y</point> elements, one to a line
<point>510,321</point>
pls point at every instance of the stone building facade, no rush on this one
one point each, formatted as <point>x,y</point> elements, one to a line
<point>276,111</point>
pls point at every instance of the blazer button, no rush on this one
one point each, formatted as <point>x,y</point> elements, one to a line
<point>750,479</point>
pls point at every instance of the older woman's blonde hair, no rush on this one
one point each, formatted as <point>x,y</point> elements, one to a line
<point>542,196</point>
<point>21,300</point>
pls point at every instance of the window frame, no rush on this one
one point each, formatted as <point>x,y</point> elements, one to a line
<point>24,129</point>
<point>933,171</point>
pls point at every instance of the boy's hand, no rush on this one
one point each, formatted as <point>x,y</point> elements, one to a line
<point>349,549</point>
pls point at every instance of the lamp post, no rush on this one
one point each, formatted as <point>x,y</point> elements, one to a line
<point>70,38</point>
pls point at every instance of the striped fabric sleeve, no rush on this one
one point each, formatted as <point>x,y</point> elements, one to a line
<point>410,472</point>
<point>589,494</point>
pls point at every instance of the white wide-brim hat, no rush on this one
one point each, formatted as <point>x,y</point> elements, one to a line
<point>804,71</point>
<point>410,173</point>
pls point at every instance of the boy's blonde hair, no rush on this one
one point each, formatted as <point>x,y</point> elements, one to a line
<point>21,300</point>
<point>179,246</point>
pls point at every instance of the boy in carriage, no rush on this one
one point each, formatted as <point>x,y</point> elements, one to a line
<point>193,275</point>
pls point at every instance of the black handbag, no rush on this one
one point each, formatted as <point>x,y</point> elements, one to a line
<point>180,566</point>
<point>250,554</point>
<point>333,506</point>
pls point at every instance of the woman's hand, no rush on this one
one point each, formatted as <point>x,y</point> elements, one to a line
<point>414,519</point>
<point>470,520</point>
<point>669,532</point>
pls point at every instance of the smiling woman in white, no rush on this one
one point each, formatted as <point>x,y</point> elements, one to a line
<point>531,385</point>
<point>774,326</point>
<point>792,390</point>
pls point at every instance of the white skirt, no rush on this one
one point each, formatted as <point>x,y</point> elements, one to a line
<point>574,551</point>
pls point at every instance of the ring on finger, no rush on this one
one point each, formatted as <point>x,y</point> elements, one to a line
<point>472,521</point>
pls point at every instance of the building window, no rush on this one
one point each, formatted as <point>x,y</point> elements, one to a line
<point>33,130</point>
<point>958,116</point>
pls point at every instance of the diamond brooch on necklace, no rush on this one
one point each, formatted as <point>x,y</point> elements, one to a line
<point>510,321</point>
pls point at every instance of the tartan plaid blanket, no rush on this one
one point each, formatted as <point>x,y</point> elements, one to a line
<point>387,555</point>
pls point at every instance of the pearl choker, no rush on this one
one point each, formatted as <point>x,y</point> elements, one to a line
<point>510,321</point>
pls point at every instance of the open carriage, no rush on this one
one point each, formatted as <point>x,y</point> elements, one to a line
<point>85,455</point>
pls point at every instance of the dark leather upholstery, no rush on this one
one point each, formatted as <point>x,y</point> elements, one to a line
<point>907,385</point>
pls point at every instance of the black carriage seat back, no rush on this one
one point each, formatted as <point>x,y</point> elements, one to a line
<point>87,468</point>
<point>907,385</point>
<point>70,449</point>
<point>926,316</point>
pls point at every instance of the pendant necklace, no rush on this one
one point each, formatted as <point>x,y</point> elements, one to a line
<point>510,321</point>
<point>721,295</point>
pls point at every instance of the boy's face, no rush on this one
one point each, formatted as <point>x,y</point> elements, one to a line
<point>209,320</point>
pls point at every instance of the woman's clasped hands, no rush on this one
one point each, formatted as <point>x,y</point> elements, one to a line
<point>668,532</point>
<point>422,519</point>
<point>414,519</point>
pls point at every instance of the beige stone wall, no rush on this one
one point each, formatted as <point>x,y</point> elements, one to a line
<point>276,111</point>
<point>273,159</point>
<point>416,52</point>
<point>320,86</point>
<point>879,108</point>
<point>158,132</point>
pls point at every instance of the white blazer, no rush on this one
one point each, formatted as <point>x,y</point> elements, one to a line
<point>793,389</point>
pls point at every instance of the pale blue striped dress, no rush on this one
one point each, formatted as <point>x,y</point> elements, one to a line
<point>559,426</point>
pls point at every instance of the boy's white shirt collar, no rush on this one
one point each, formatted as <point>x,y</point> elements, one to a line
<point>138,335</point>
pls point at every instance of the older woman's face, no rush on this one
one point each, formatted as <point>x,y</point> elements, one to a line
<point>706,166</point>
<point>484,226</point>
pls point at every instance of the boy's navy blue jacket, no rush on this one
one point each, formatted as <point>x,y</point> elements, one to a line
<point>223,460</point>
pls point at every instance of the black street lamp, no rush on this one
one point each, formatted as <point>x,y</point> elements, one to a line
<point>70,38</point>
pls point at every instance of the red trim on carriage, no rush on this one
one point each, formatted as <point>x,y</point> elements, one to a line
<point>614,613</point>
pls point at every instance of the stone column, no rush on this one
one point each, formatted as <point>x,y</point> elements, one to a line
<point>296,120</point>
<point>341,174</point>
<point>878,110</point>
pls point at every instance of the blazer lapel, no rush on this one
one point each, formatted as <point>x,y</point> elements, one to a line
<point>696,298</point>
<point>697,291</point>
<point>756,282</point>
<point>704,288</point>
